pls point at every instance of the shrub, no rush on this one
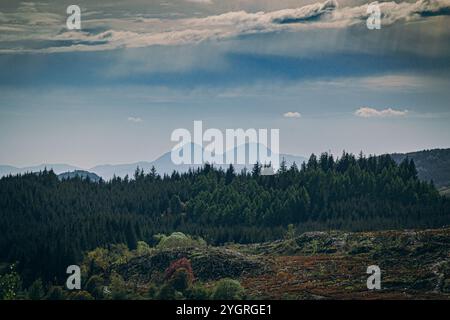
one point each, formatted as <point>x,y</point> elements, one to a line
<point>143,248</point>
<point>95,286</point>
<point>80,295</point>
<point>55,293</point>
<point>182,263</point>
<point>446,286</point>
<point>118,288</point>
<point>167,292</point>
<point>100,259</point>
<point>152,291</point>
<point>36,290</point>
<point>198,292</point>
<point>178,240</point>
<point>290,232</point>
<point>228,289</point>
<point>181,280</point>
<point>10,284</point>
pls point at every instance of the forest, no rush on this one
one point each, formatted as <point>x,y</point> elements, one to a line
<point>47,224</point>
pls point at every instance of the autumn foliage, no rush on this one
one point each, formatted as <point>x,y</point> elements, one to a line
<point>182,263</point>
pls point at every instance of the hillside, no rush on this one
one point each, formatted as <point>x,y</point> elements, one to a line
<point>322,265</point>
<point>431,164</point>
<point>351,194</point>
<point>315,265</point>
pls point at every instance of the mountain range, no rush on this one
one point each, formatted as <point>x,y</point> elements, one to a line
<point>163,165</point>
<point>431,164</point>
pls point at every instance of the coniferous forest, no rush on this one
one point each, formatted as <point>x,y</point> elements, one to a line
<point>47,223</point>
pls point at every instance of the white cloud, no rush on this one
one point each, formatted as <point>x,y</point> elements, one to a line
<point>200,1</point>
<point>135,32</point>
<point>134,119</point>
<point>394,81</point>
<point>366,112</point>
<point>292,114</point>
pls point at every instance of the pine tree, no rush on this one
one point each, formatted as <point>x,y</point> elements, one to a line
<point>229,175</point>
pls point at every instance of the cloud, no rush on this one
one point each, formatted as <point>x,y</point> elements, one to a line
<point>366,112</point>
<point>307,13</point>
<point>292,114</point>
<point>200,1</point>
<point>394,81</point>
<point>134,119</point>
<point>137,31</point>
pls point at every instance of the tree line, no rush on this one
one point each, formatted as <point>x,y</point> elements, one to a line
<point>47,224</point>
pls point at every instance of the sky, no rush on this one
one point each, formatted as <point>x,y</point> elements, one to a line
<point>113,91</point>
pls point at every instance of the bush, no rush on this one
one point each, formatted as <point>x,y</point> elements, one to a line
<point>228,289</point>
<point>198,292</point>
<point>36,290</point>
<point>178,240</point>
<point>167,292</point>
<point>100,259</point>
<point>143,248</point>
<point>118,287</point>
<point>290,232</point>
<point>10,284</point>
<point>152,291</point>
<point>55,293</point>
<point>181,280</point>
<point>182,263</point>
<point>80,295</point>
<point>95,286</point>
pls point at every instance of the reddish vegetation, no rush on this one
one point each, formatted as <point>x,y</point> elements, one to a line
<point>415,264</point>
<point>182,263</point>
<point>330,276</point>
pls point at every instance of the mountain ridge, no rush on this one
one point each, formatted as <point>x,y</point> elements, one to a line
<point>163,165</point>
<point>432,165</point>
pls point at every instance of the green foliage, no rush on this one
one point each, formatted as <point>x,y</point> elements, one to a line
<point>95,286</point>
<point>198,292</point>
<point>130,236</point>
<point>77,215</point>
<point>97,260</point>
<point>143,248</point>
<point>100,259</point>
<point>152,291</point>
<point>175,204</point>
<point>10,284</point>
<point>446,286</point>
<point>432,165</point>
<point>178,240</point>
<point>118,287</point>
<point>56,293</point>
<point>36,290</point>
<point>180,280</point>
<point>290,233</point>
<point>228,289</point>
<point>80,295</point>
<point>167,292</point>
